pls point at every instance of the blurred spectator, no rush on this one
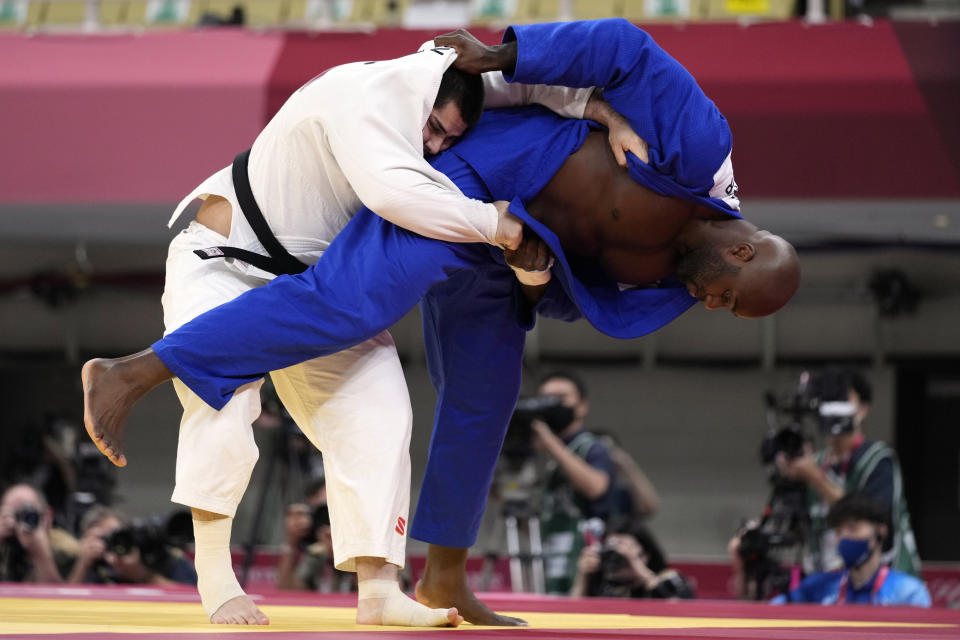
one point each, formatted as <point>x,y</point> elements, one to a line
<point>31,549</point>
<point>628,564</point>
<point>850,463</point>
<point>634,496</point>
<point>96,527</point>
<point>861,526</point>
<point>114,551</point>
<point>578,478</point>
<point>770,556</point>
<point>307,561</point>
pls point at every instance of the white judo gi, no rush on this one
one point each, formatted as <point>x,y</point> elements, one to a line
<point>352,135</point>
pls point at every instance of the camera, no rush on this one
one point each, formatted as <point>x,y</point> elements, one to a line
<point>550,409</point>
<point>145,537</point>
<point>28,516</point>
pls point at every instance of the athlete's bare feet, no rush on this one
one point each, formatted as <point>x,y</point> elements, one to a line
<point>110,389</point>
<point>444,584</point>
<point>239,610</point>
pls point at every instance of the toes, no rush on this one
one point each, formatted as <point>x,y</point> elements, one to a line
<point>453,618</point>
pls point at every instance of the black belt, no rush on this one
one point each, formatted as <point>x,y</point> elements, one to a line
<point>279,261</point>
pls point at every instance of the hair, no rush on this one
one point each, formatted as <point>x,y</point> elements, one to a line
<point>97,514</point>
<point>566,375</point>
<point>36,490</point>
<point>466,90</point>
<point>838,382</point>
<point>656,558</point>
<point>857,506</point>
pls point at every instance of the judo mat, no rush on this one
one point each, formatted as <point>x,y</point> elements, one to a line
<point>47,612</point>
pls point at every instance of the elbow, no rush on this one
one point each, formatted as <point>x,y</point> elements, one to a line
<point>599,486</point>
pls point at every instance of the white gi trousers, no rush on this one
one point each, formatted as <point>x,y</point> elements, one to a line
<point>353,406</point>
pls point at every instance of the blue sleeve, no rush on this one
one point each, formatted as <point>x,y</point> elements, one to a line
<point>911,591</point>
<point>688,136</point>
<point>474,347</point>
<point>369,277</point>
<point>372,274</point>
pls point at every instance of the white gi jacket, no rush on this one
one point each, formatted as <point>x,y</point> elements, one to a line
<point>353,136</point>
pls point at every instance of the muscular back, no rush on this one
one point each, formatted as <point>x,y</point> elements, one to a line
<point>599,212</point>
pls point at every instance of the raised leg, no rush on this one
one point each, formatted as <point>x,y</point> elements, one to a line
<point>110,389</point>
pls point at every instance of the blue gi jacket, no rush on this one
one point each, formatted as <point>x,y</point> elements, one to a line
<point>474,316</point>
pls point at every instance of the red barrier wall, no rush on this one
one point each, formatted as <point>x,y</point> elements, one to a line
<point>834,111</point>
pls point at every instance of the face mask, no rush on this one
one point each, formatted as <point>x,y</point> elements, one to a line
<point>854,552</point>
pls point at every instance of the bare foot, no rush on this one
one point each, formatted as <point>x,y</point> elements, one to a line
<point>460,597</point>
<point>239,610</point>
<point>110,389</point>
<point>401,610</point>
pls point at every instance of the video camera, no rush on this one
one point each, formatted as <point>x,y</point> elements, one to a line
<point>550,409</point>
<point>769,546</point>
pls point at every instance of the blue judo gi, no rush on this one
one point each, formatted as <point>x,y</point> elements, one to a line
<point>474,314</point>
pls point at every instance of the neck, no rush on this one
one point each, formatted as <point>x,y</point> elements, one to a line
<point>861,575</point>
<point>574,428</point>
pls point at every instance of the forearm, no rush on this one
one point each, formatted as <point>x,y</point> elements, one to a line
<point>600,111</point>
<point>79,572</point>
<point>534,293</point>
<point>286,573</point>
<point>822,485</point>
<point>579,588</point>
<point>641,489</point>
<point>44,568</point>
<point>588,481</point>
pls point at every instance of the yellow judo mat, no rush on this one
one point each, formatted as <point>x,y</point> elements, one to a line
<point>33,616</point>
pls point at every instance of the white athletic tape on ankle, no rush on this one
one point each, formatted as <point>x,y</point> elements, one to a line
<point>398,608</point>
<point>377,589</point>
<point>216,581</point>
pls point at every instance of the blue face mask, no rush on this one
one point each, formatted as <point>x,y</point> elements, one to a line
<point>854,552</point>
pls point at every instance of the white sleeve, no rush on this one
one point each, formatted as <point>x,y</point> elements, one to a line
<point>563,101</point>
<point>391,177</point>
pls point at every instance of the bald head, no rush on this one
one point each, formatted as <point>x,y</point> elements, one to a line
<point>733,265</point>
<point>770,278</point>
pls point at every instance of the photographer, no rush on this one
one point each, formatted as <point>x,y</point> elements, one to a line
<point>113,551</point>
<point>307,562</point>
<point>579,477</point>
<point>807,483</point>
<point>96,527</point>
<point>629,564</point>
<point>850,463</point>
<point>861,526</point>
<point>31,549</point>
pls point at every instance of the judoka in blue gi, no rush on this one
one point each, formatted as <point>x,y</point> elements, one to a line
<point>634,248</point>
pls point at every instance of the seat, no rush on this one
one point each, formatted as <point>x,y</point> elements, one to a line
<point>123,13</point>
<point>537,10</point>
<point>597,9</point>
<point>48,14</point>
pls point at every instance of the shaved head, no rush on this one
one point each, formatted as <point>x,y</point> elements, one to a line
<point>733,265</point>
<point>770,278</point>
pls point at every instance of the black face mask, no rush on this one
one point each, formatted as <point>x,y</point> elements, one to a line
<point>558,417</point>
